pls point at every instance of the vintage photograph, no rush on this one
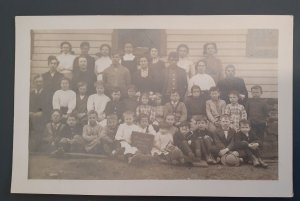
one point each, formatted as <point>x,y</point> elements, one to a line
<point>136,103</point>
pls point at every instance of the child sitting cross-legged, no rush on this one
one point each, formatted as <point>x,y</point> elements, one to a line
<point>248,145</point>
<point>164,148</point>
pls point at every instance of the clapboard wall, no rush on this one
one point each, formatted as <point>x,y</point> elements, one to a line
<point>231,50</point>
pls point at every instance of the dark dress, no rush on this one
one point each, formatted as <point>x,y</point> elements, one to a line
<point>90,64</point>
<point>195,106</point>
<point>143,84</point>
<point>157,69</point>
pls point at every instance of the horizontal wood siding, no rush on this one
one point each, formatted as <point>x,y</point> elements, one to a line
<point>231,50</point>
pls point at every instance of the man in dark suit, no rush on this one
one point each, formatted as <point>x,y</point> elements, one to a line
<point>174,78</point>
<point>232,83</point>
<point>52,78</point>
<point>223,138</point>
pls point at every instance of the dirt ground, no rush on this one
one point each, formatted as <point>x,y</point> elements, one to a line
<point>46,167</point>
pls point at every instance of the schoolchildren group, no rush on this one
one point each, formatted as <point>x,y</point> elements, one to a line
<point>198,113</point>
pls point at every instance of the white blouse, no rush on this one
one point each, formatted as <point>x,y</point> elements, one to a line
<point>64,99</point>
<point>101,64</point>
<point>66,62</point>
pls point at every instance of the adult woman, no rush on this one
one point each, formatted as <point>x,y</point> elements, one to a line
<point>66,60</point>
<point>184,61</point>
<point>104,61</point>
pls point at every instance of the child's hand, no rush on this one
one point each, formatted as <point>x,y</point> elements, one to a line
<point>253,145</point>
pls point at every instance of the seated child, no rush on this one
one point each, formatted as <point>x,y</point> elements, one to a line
<point>98,101</point>
<point>176,107</point>
<point>144,125</point>
<point>248,145</point>
<point>214,109</point>
<point>123,135</point>
<point>64,99</point>
<point>223,138</point>
<point>115,105</point>
<point>53,133</point>
<point>170,120</point>
<point>92,134</point>
<point>145,108</point>
<point>164,147</point>
<point>72,140</point>
<point>158,109</point>
<point>81,103</point>
<point>195,104</point>
<point>130,103</point>
<point>235,110</point>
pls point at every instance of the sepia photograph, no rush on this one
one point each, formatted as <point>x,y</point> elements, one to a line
<point>177,102</point>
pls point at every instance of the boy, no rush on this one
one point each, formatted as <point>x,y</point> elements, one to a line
<point>92,134</point>
<point>130,103</point>
<point>98,101</point>
<point>176,107</point>
<point>114,106</point>
<point>214,109</point>
<point>235,110</point>
<point>248,145</point>
<point>257,110</point>
<point>195,104</point>
<point>116,76</point>
<point>81,103</point>
<point>170,120</point>
<point>164,147</point>
<point>223,138</point>
<point>84,52</point>
<point>72,140</point>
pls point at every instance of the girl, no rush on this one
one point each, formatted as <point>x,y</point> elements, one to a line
<point>104,61</point>
<point>201,79</point>
<point>64,99</point>
<point>184,61</point>
<point>143,78</point>
<point>157,66</point>
<point>214,65</point>
<point>158,109</point>
<point>66,60</point>
<point>129,59</point>
<point>145,108</point>
<point>195,104</point>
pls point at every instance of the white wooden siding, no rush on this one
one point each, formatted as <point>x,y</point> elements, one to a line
<point>231,50</point>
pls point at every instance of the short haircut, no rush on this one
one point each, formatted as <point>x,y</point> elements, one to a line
<point>195,87</point>
<point>234,92</point>
<point>207,44</point>
<point>230,66</point>
<point>65,79</point>
<point>51,57</point>
<point>81,84</point>
<point>115,90</point>
<point>56,110</point>
<point>116,52</point>
<point>99,83</point>
<point>112,116</point>
<point>202,118</point>
<point>225,116</point>
<point>73,115</point>
<point>92,112</point>
<point>200,61</point>
<point>174,92</point>
<point>155,49</point>
<point>85,43</point>
<point>257,87</point>
<point>145,94</point>
<point>128,113</point>
<point>182,124</point>
<point>244,122</point>
<point>143,56</point>
<point>82,56</point>
<point>183,45</point>
<point>64,43</point>
<point>195,117</point>
<point>214,89</point>
<point>173,55</point>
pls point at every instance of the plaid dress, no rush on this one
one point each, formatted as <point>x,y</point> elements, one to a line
<point>147,110</point>
<point>236,112</point>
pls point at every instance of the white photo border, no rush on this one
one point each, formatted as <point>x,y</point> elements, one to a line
<point>283,187</point>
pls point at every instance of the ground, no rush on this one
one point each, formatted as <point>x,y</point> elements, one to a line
<point>47,167</point>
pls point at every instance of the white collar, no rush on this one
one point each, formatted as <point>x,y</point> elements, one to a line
<point>128,57</point>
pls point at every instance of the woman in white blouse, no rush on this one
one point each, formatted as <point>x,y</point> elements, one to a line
<point>66,60</point>
<point>104,61</point>
<point>184,61</point>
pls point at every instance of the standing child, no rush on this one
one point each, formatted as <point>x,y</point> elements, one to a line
<point>129,59</point>
<point>81,103</point>
<point>92,134</point>
<point>195,104</point>
<point>257,110</point>
<point>72,140</point>
<point>115,106</point>
<point>215,108</point>
<point>176,107</point>
<point>248,145</point>
<point>53,133</point>
<point>164,147</point>
<point>130,103</point>
<point>64,99</point>
<point>145,108</point>
<point>235,110</point>
<point>104,61</point>
<point>98,101</point>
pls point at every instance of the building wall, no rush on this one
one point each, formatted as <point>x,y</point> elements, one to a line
<point>231,50</point>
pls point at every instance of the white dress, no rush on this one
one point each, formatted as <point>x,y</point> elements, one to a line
<point>124,136</point>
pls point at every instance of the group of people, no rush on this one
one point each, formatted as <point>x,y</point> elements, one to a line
<point>195,114</point>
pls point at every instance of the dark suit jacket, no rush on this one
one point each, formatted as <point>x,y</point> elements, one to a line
<point>52,84</point>
<point>221,142</point>
<point>241,141</point>
<point>181,81</point>
<point>228,84</point>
